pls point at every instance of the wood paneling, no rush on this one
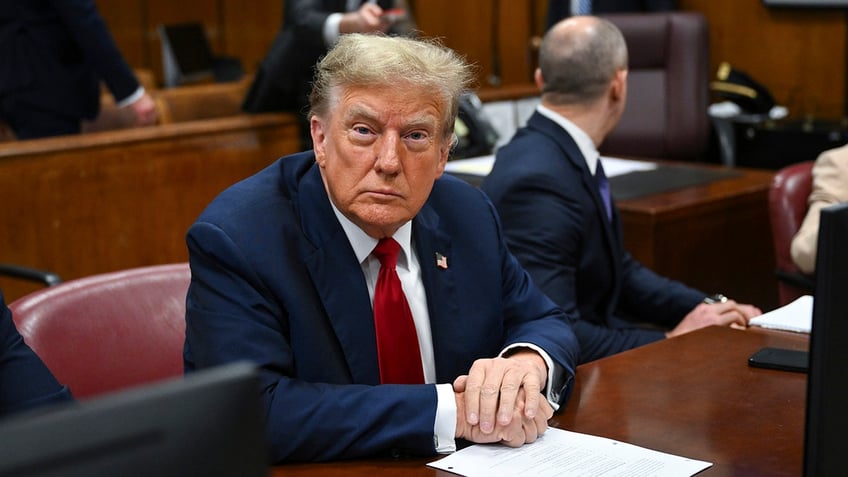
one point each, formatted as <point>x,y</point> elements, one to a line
<point>93,203</point>
<point>128,26</point>
<point>799,54</point>
<point>248,32</point>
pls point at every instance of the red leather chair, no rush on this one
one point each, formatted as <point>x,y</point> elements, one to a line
<point>788,196</point>
<point>668,87</point>
<point>110,331</point>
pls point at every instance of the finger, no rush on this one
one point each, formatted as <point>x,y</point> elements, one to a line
<point>750,311</point>
<point>459,383</point>
<point>542,417</point>
<point>513,435</point>
<point>489,396</point>
<point>531,431</point>
<point>473,386</point>
<point>509,392</point>
<point>733,317</point>
<point>533,395</point>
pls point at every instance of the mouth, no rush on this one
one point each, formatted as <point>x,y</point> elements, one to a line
<point>383,194</point>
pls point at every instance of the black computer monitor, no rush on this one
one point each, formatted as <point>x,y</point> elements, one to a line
<point>187,56</point>
<point>209,424</point>
<point>827,387</point>
<point>185,45</point>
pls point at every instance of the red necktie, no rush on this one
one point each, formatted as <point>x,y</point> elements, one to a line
<point>397,343</point>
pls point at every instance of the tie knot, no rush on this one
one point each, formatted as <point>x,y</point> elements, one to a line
<point>386,252</point>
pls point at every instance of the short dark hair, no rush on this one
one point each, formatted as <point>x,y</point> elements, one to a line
<point>577,66</point>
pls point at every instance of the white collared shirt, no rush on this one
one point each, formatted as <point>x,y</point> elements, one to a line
<point>331,24</point>
<point>409,272</point>
<point>584,142</point>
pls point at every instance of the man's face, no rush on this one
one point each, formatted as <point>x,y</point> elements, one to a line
<point>380,151</point>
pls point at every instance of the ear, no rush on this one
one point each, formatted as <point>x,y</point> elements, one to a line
<point>618,89</point>
<point>537,77</point>
<point>319,136</point>
<point>444,153</point>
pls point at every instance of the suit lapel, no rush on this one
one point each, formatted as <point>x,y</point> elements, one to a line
<point>439,280</point>
<point>575,157</point>
<point>330,256</point>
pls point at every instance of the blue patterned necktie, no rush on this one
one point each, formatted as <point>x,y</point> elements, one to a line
<point>604,189</point>
<point>584,7</point>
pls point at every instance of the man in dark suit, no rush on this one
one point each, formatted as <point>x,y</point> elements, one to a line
<point>283,275</point>
<point>53,55</point>
<point>310,28</point>
<point>561,9</point>
<point>25,382</point>
<point>545,186</point>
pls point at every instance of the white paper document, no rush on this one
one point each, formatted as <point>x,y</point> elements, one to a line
<point>564,453</point>
<point>796,316</point>
<point>482,166</point>
<point>478,166</point>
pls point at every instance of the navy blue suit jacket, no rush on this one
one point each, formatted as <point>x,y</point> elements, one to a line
<point>555,223</point>
<point>275,281</point>
<point>25,382</point>
<point>53,55</point>
<point>284,79</point>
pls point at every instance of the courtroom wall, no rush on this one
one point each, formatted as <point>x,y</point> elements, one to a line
<point>799,54</point>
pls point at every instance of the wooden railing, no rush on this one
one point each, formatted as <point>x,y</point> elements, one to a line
<point>92,203</point>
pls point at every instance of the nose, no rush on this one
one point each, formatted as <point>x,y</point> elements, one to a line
<point>388,153</point>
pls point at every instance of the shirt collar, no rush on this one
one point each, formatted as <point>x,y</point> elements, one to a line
<point>363,244</point>
<point>583,141</point>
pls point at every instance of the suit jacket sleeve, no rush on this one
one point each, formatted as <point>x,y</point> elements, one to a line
<point>89,30</point>
<point>307,421</point>
<point>25,382</point>
<point>830,186</point>
<point>553,227</point>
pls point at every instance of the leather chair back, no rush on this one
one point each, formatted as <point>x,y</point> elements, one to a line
<point>668,87</point>
<point>788,195</point>
<point>110,331</point>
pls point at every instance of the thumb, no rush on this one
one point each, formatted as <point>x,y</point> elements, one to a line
<point>459,383</point>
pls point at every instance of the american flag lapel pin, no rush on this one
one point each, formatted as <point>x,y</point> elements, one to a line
<point>441,261</point>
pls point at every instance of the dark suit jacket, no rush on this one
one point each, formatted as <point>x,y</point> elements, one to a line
<point>559,9</point>
<point>25,382</point>
<point>282,82</point>
<point>275,281</point>
<point>554,220</point>
<point>53,54</point>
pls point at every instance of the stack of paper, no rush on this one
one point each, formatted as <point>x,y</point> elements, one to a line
<point>561,452</point>
<point>796,316</point>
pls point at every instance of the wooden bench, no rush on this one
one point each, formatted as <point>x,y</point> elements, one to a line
<point>176,105</point>
<point>92,203</point>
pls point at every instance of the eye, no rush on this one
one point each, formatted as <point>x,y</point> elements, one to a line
<point>361,134</point>
<point>361,130</point>
<point>418,140</point>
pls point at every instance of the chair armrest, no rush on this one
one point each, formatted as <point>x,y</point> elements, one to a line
<point>798,280</point>
<point>45,277</point>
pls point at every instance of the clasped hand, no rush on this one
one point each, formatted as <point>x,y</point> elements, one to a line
<point>500,400</point>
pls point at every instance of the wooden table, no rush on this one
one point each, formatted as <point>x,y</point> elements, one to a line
<point>693,396</point>
<point>715,237</point>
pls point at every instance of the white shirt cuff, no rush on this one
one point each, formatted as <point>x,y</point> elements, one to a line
<point>444,429</point>
<point>331,28</point>
<point>137,94</point>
